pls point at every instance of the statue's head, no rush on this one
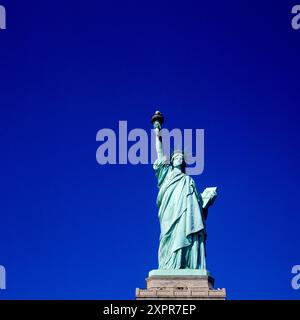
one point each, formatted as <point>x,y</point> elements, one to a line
<point>177,160</point>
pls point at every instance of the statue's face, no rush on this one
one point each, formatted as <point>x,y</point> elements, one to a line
<point>177,160</point>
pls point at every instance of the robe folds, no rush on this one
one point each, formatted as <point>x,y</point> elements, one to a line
<point>182,223</point>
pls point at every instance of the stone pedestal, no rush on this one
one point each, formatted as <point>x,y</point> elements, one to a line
<point>181,284</point>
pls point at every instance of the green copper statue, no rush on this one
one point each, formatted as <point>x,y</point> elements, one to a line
<point>182,210</point>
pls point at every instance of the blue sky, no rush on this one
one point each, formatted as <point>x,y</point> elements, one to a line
<point>72,229</point>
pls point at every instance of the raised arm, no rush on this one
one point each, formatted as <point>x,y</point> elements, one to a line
<point>157,120</point>
<point>158,143</point>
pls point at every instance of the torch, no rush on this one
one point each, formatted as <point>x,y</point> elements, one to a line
<point>157,120</point>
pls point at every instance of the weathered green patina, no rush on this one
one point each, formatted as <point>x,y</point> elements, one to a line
<point>182,213</point>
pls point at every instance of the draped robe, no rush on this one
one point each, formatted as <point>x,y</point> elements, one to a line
<point>181,217</point>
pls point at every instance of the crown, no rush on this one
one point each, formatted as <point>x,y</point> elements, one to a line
<point>173,154</point>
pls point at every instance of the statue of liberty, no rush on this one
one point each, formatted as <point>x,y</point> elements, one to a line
<point>182,210</point>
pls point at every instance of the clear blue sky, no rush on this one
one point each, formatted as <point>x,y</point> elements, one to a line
<point>72,229</point>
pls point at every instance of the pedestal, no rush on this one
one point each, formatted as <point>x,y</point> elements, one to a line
<point>180,284</point>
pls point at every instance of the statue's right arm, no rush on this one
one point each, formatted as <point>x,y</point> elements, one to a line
<point>158,144</point>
